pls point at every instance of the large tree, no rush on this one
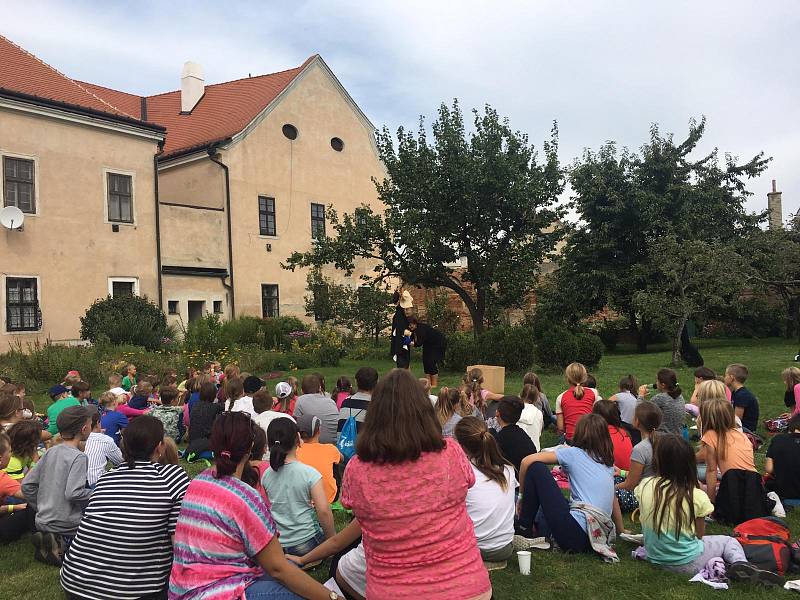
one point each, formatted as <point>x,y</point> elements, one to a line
<point>627,202</point>
<point>475,212</point>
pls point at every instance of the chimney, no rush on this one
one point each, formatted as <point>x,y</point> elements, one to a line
<point>193,86</point>
<point>775,208</point>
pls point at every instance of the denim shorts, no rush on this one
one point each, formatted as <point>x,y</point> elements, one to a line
<point>305,547</point>
<point>266,588</point>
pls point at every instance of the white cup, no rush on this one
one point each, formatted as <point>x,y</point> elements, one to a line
<point>524,560</point>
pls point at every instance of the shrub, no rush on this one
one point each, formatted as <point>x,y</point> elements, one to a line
<point>49,363</point>
<point>204,335</point>
<point>125,320</point>
<point>462,351</point>
<point>509,345</point>
<point>589,349</point>
<point>329,347</point>
<point>556,347</point>
<point>277,330</point>
<point>439,314</point>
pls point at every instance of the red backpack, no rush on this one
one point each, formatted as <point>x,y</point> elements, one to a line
<point>767,543</point>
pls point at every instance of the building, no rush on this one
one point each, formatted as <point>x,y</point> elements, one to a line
<point>246,174</point>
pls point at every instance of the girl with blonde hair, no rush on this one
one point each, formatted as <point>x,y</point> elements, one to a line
<point>791,377</point>
<point>452,406</point>
<point>479,397</point>
<point>577,401</point>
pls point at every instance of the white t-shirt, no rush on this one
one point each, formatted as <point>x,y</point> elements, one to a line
<point>268,416</point>
<point>118,391</point>
<point>531,421</point>
<point>244,404</point>
<point>492,510</point>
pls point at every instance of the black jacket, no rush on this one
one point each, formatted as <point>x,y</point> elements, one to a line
<point>741,497</point>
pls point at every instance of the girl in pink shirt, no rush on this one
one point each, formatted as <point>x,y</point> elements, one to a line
<point>791,377</point>
<point>424,546</point>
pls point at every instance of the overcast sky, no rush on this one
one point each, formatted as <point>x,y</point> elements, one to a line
<point>605,70</point>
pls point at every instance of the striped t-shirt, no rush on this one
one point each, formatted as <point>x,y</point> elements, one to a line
<point>123,548</point>
<point>224,523</point>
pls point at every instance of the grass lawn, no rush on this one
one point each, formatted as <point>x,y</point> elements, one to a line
<point>553,575</point>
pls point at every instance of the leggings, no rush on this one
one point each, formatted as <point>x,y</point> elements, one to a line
<point>542,492</point>
<point>16,524</point>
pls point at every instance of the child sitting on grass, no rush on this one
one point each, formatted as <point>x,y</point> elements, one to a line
<point>61,399</point>
<point>56,488</point>
<point>141,396</point>
<point>15,518</point>
<point>343,389</point>
<point>112,421</point>
<point>115,384</point>
<point>513,442</point>
<point>647,419</point>
<point>321,457</point>
<point>101,450</point>
<point>169,414</point>
<point>25,436</point>
<point>673,508</point>
<point>129,381</point>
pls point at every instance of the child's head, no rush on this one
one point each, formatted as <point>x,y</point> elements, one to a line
<point>57,392</point>
<point>591,381</point>
<point>530,394</point>
<point>232,371</point>
<point>25,437</point>
<point>473,382</point>
<point>309,426</point>
<point>703,374</point>
<point>591,435</point>
<point>262,401</point>
<point>234,390</point>
<point>450,402</point>
<point>141,438</point>
<point>675,465</point>
<point>717,414</point>
<point>668,382</point>
<point>170,377</point>
<point>108,401</point>
<point>509,409</point>
<point>736,373</point>
<point>232,438</point>
<point>647,417</point>
<point>576,375</point>
<point>292,381</point>
<point>710,388</point>
<point>168,395</point>
<point>130,369</point>
<point>426,385</point>
<point>532,378</point>
<point>791,377</point>
<point>311,384</point>
<point>75,423</point>
<point>19,389</point>
<point>321,378</point>
<point>114,380</point>
<point>366,379</point>
<point>282,438</point>
<point>481,448</point>
<point>191,373</point>
<point>208,392</point>
<point>10,407</point>
<point>609,411</point>
<point>144,388</point>
<point>251,384</point>
<point>81,390</point>
<point>72,378</point>
<point>170,454</point>
<point>628,384</point>
<point>259,444</point>
<point>343,385</point>
<point>5,450</point>
<point>794,424</point>
<point>96,426</point>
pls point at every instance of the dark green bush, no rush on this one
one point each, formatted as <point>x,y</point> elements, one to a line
<point>204,335</point>
<point>556,347</point>
<point>509,345</point>
<point>242,331</point>
<point>277,330</point>
<point>126,320</point>
<point>589,349</point>
<point>462,350</point>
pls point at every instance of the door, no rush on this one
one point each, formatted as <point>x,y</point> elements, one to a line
<point>197,309</point>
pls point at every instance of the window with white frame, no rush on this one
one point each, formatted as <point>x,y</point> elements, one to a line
<point>22,304</point>
<point>123,286</point>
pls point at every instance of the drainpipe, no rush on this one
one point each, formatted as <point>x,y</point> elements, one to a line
<point>158,227</point>
<point>212,155</point>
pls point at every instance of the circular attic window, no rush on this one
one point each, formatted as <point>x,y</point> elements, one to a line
<point>337,144</point>
<point>290,131</point>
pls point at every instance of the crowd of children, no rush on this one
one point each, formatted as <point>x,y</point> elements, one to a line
<point>100,482</point>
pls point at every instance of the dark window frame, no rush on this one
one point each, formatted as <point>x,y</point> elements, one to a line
<point>115,195</point>
<point>15,182</point>
<point>173,307</point>
<point>337,144</point>
<point>317,220</point>
<point>217,306</point>
<point>21,304</point>
<point>267,216</point>
<point>273,309</point>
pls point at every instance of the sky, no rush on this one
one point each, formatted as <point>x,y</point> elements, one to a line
<point>604,69</point>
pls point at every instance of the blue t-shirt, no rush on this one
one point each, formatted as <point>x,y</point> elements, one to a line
<point>113,423</point>
<point>590,481</point>
<point>193,398</point>
<point>744,398</point>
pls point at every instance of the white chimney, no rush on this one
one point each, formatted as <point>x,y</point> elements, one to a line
<point>775,208</point>
<point>193,86</point>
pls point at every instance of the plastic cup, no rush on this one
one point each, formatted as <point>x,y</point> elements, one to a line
<point>524,560</point>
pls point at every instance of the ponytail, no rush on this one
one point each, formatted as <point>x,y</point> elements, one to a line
<point>576,375</point>
<point>481,448</point>
<point>474,383</point>
<point>669,379</point>
<point>282,439</point>
<point>231,441</point>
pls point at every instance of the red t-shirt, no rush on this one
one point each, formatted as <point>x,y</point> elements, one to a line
<point>574,408</point>
<point>622,447</point>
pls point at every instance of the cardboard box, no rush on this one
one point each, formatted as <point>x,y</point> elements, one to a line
<point>494,377</point>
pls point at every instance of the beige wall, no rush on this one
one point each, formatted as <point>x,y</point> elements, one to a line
<point>183,289</point>
<point>296,173</point>
<point>197,183</point>
<point>69,245</point>
<point>192,237</point>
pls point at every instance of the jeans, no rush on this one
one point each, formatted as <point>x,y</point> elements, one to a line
<point>266,588</point>
<point>305,547</point>
<point>542,493</point>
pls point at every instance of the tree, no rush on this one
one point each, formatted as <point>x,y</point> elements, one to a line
<point>482,200</point>
<point>326,300</point>
<point>126,319</point>
<point>627,202</point>
<point>369,310</point>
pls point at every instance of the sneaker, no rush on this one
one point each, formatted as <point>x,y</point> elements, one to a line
<point>495,566</point>
<point>750,573</point>
<point>36,539</point>
<point>521,542</point>
<point>48,548</point>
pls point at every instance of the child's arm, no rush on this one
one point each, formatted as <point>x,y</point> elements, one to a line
<point>548,458</point>
<point>324,513</point>
<point>700,527</point>
<point>711,472</point>
<point>769,466</point>
<point>560,423</point>
<point>113,453</point>
<point>331,546</point>
<point>492,396</point>
<point>633,478</point>
<point>30,485</point>
<point>616,516</point>
<point>76,489</point>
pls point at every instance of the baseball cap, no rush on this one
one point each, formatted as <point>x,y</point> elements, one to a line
<point>308,425</point>
<point>252,384</point>
<point>283,390</point>
<point>56,390</point>
<point>72,419</point>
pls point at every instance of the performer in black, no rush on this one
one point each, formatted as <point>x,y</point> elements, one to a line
<point>401,343</point>
<point>433,343</point>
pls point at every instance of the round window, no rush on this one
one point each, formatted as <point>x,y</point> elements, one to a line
<point>337,144</point>
<point>290,131</point>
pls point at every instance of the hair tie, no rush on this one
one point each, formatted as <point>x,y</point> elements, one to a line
<point>225,453</point>
<point>276,443</point>
<point>474,380</point>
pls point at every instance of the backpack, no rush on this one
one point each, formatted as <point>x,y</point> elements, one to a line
<point>777,424</point>
<point>348,435</point>
<point>766,542</point>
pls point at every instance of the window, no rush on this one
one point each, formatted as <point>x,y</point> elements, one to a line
<point>266,216</point>
<point>290,131</point>
<point>218,307</point>
<point>172,307</point>
<point>337,144</point>
<point>269,300</point>
<point>123,286</point>
<point>120,198</point>
<point>18,184</point>
<point>317,220</point>
<point>22,304</point>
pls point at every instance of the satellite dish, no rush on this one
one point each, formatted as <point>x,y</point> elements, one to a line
<point>11,217</point>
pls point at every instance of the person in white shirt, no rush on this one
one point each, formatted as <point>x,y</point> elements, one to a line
<point>262,413</point>
<point>490,502</point>
<point>101,450</point>
<point>244,402</point>
<point>531,421</point>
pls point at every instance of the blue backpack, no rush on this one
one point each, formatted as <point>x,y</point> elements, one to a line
<point>347,437</point>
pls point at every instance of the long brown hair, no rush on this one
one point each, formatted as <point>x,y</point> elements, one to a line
<point>400,424</point>
<point>669,379</point>
<point>234,389</point>
<point>717,415</point>
<point>591,435</point>
<point>532,378</point>
<point>481,448</point>
<point>530,395</point>
<point>473,381</point>
<point>673,494</point>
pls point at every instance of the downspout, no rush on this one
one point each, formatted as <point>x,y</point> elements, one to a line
<point>212,155</point>
<point>158,226</point>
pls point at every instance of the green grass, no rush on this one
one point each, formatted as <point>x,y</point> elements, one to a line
<point>553,575</point>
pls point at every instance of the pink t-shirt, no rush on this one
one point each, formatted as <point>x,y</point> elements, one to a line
<point>340,397</point>
<point>131,412</point>
<point>418,538</point>
<point>796,390</point>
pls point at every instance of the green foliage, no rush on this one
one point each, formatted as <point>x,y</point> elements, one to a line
<point>242,331</point>
<point>329,347</point>
<point>556,347</point>
<point>509,345</point>
<point>755,317</point>
<point>461,352</point>
<point>439,314</point>
<point>503,228</point>
<point>204,334</point>
<point>609,328</point>
<point>589,349</point>
<point>326,300</point>
<point>126,320</point>
<point>368,311</point>
<point>277,330</point>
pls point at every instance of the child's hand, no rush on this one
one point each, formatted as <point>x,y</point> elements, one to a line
<point>295,559</point>
<point>643,391</point>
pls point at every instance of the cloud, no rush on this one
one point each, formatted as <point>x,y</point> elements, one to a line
<point>604,70</point>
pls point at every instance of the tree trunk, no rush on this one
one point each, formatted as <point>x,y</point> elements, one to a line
<point>642,333</point>
<point>476,312</point>
<point>676,341</point>
<point>792,310</point>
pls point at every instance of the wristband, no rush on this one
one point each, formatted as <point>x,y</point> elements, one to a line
<point>623,473</point>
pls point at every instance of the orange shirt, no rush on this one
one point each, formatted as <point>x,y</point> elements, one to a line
<point>321,457</point>
<point>738,450</point>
